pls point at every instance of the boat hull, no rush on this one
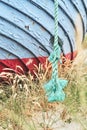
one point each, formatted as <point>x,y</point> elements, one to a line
<point>27,31</point>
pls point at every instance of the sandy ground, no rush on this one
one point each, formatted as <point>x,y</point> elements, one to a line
<point>53,120</point>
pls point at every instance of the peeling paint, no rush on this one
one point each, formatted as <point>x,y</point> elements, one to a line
<point>27,26</point>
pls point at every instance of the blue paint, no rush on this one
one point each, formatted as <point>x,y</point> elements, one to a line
<point>21,37</point>
<point>21,20</point>
<point>28,25</point>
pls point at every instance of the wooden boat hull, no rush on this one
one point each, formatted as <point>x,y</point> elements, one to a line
<point>27,30</point>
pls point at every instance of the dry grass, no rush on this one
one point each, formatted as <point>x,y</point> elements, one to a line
<point>76,91</point>
<point>22,98</point>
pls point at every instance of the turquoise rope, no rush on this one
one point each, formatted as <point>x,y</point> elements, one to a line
<point>54,88</point>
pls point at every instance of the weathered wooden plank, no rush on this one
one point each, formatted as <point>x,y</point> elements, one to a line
<point>27,30</point>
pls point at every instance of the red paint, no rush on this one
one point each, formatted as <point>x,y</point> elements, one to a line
<point>28,63</point>
<point>68,56</point>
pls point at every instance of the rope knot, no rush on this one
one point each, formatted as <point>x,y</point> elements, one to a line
<point>55,55</point>
<point>54,88</point>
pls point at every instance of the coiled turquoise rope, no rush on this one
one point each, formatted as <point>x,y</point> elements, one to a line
<point>54,88</point>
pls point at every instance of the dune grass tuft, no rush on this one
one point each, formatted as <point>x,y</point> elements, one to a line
<point>24,105</point>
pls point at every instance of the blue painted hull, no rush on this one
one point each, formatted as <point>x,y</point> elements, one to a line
<point>27,30</point>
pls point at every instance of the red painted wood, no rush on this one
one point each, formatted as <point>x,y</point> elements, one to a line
<point>28,63</point>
